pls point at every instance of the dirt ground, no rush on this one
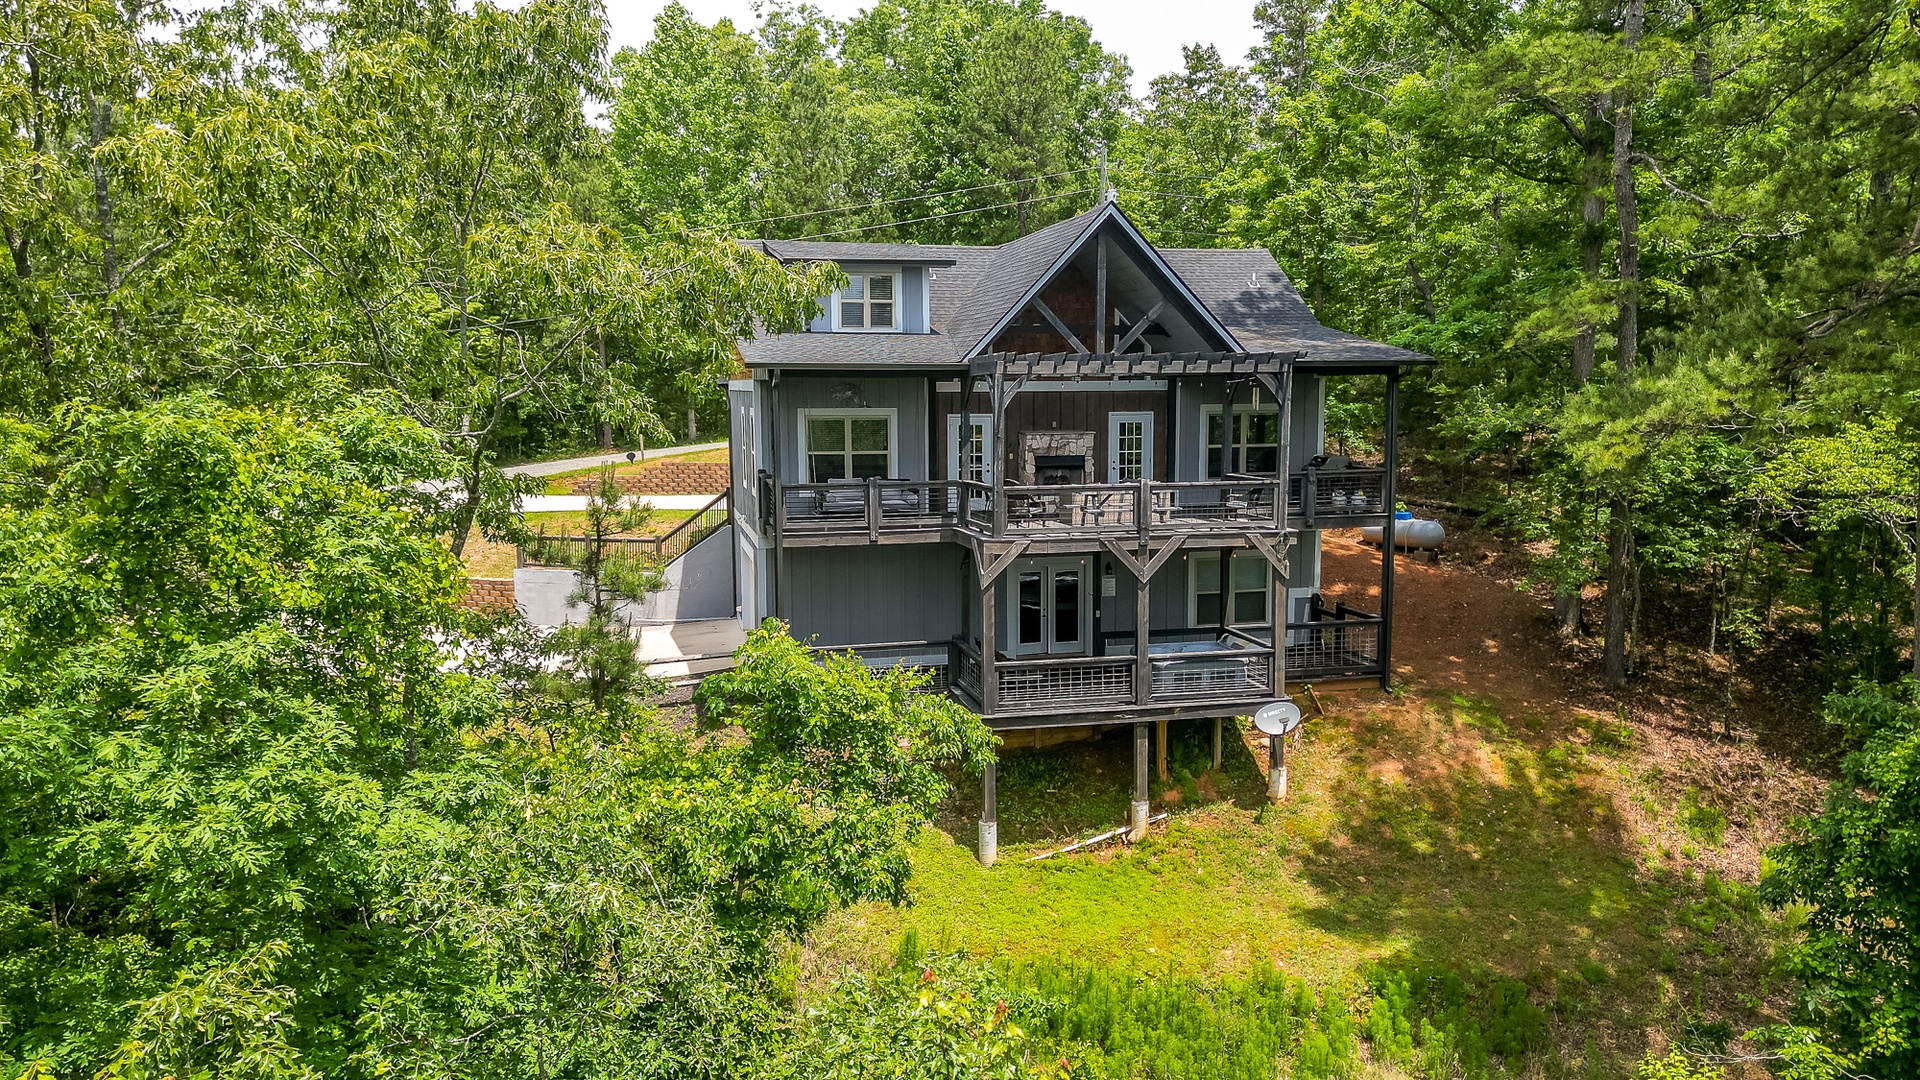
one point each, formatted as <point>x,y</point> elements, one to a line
<point>1467,625</point>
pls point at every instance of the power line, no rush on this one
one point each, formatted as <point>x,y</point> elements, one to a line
<point>904,198</point>
<point>948,214</point>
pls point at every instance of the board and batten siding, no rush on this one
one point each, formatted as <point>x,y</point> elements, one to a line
<point>905,396</point>
<point>875,594</point>
<point>1050,409</point>
<point>1192,396</point>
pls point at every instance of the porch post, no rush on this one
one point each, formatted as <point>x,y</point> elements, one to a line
<point>989,672</point>
<point>1160,750</point>
<point>1283,597</point>
<point>999,399</point>
<point>989,813</point>
<point>1216,741</point>
<point>1138,831</point>
<point>1276,767</point>
<point>1142,660</point>
<point>1386,531</point>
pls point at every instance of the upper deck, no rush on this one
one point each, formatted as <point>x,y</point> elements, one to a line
<point>1058,449</point>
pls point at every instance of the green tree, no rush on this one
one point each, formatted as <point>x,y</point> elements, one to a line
<point>1857,868</point>
<point>273,805</point>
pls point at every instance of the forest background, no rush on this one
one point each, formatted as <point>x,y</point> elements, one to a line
<point>1663,255</point>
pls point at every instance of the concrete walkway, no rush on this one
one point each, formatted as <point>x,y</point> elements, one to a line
<point>693,647</point>
<point>547,504</point>
<point>549,468</point>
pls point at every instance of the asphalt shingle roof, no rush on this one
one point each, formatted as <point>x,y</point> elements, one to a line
<point>973,287</point>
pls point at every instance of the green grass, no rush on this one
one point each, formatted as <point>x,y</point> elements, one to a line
<point>574,522</point>
<point>1435,830</point>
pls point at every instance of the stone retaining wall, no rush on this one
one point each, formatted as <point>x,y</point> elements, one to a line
<point>666,478</point>
<point>488,594</point>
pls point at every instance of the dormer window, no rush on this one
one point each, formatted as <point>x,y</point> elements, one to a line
<point>869,301</point>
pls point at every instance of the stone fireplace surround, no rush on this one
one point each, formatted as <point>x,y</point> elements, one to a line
<point>1035,445</point>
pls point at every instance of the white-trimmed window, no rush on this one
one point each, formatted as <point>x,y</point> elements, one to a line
<point>1256,440</point>
<point>1249,579</point>
<point>870,300</point>
<point>846,444</point>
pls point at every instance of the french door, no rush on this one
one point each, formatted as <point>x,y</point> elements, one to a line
<point>1129,446</point>
<point>1049,614</point>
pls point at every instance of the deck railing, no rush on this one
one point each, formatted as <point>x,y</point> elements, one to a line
<point>1336,642</point>
<point>933,657</point>
<point>1327,495</point>
<point>1139,510</point>
<point>874,507</point>
<point>1192,665</point>
<point>565,549</point>
<point>1057,682</point>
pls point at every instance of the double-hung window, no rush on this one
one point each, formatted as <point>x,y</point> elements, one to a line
<point>1246,584</point>
<point>1256,440</point>
<point>869,301</point>
<point>849,445</point>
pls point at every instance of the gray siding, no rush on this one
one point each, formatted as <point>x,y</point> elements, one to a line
<point>905,395</point>
<point>1192,396</point>
<point>873,594</point>
<point>913,299</point>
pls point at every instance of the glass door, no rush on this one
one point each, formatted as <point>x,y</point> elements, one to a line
<point>1049,616</point>
<point>1129,447</point>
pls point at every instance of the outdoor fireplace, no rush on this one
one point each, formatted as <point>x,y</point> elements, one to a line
<point>1059,469</point>
<point>1056,457</point>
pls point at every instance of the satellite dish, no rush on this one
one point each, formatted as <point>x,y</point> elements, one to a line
<point>1277,717</point>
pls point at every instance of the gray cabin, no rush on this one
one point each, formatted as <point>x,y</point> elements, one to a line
<point>1079,478</point>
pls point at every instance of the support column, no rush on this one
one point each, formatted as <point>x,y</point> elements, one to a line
<point>1386,532</point>
<point>1160,750</point>
<point>1138,818</point>
<point>989,671</point>
<point>1217,723</point>
<point>989,813</point>
<point>1277,767</point>
<point>1142,660</point>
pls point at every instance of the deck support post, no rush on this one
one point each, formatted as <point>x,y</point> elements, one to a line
<point>1160,750</point>
<point>989,813</point>
<point>1386,531</point>
<point>1142,659</point>
<point>989,671</point>
<point>1277,768</point>
<point>1217,723</point>
<point>1137,823</point>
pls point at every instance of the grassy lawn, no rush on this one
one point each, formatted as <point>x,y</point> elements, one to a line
<point>486,559</point>
<point>1425,826</point>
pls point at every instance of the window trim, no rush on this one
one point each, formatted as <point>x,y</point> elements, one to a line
<point>867,273</point>
<point>1193,588</point>
<point>1208,412</point>
<point>807,416</point>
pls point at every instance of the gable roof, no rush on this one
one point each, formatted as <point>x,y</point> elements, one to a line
<point>1018,273</point>
<point>1241,295</point>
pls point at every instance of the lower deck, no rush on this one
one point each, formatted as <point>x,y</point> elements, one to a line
<point>1053,640</point>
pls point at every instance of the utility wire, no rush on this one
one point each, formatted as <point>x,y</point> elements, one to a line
<point>948,214</point>
<point>904,198</point>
